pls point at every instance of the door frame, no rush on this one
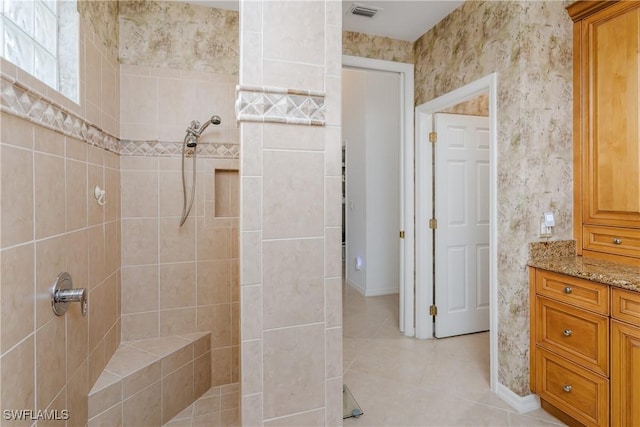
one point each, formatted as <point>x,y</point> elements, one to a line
<point>424,206</point>
<point>406,190</point>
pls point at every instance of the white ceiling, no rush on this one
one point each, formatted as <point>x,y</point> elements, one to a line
<point>398,19</point>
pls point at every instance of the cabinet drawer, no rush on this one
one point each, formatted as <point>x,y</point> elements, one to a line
<point>611,240</point>
<point>625,306</point>
<point>578,335</point>
<point>578,292</point>
<point>578,392</point>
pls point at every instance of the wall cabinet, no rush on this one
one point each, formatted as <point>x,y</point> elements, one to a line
<point>585,350</point>
<point>606,128</point>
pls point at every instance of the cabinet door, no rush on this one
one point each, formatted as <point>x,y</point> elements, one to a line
<point>611,151</point>
<point>625,374</point>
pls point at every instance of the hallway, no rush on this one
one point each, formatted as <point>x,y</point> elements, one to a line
<point>402,381</point>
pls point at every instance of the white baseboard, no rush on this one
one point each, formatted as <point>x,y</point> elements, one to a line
<point>379,292</point>
<point>519,403</point>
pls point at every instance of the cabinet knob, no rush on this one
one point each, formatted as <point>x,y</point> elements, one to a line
<point>567,332</point>
<point>567,289</point>
<point>567,388</point>
<point>617,241</point>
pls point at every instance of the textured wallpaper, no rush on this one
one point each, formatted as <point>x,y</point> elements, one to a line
<point>478,106</point>
<point>171,34</point>
<point>102,17</point>
<point>376,47</point>
<point>529,45</point>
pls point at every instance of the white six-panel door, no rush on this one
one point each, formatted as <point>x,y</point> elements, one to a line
<point>462,236</point>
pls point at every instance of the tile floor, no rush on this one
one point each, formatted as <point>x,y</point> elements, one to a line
<point>220,406</point>
<point>401,381</point>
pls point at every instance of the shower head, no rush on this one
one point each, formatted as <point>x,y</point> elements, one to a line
<point>191,140</point>
<point>215,120</point>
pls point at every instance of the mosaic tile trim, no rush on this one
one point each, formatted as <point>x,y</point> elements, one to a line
<point>173,149</point>
<point>274,104</point>
<point>19,100</point>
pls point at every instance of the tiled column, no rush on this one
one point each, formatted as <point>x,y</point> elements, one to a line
<point>290,163</point>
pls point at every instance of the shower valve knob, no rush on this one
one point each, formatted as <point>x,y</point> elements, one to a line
<point>63,293</point>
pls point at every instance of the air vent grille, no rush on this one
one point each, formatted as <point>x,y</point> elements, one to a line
<point>362,10</point>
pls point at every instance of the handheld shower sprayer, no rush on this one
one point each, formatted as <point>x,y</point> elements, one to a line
<point>191,141</point>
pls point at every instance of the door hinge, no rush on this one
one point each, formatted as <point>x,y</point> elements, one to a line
<point>433,137</point>
<point>433,223</point>
<point>402,234</point>
<point>433,310</point>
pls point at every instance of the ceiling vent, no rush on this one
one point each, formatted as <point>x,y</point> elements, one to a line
<point>362,10</point>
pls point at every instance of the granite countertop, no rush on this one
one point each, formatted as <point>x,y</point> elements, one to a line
<point>559,257</point>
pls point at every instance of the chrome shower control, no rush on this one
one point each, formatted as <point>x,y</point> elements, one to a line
<point>63,293</point>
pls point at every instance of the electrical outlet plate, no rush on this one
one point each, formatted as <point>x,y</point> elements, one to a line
<point>549,219</point>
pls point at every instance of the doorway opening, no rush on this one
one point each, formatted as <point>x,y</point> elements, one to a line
<point>425,192</point>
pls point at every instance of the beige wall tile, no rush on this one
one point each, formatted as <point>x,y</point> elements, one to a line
<point>305,20</point>
<point>17,295</point>
<point>235,323</point>
<point>141,103</point>
<point>294,181</point>
<point>139,241</point>
<point>97,255</point>
<point>333,301</point>
<point>214,282</point>
<point>48,141</point>
<point>177,244</point>
<point>176,103</point>
<point>111,247</point>
<point>217,319</point>
<point>112,188</point>
<point>251,159</point>
<point>95,212</point>
<point>141,379</point>
<point>16,131</point>
<point>333,151</point>
<point>333,352</point>
<point>77,197</point>
<point>252,367</point>
<point>177,285</point>
<point>17,195</point>
<point>251,265</point>
<point>177,359</point>
<point>50,262</point>
<point>139,194</point>
<point>139,326</point>
<point>251,312</point>
<point>96,363</point>
<point>77,392</point>
<point>213,243</point>
<point>281,136</point>
<point>177,321</point>
<point>293,296</point>
<point>235,364</point>
<point>50,361</point>
<point>312,419</point>
<point>293,370</point>
<point>93,77</point>
<point>251,69</point>
<point>251,192</point>
<point>111,417</point>
<point>333,202</point>
<point>177,392</point>
<point>76,149</point>
<point>333,399</point>
<point>18,376</point>
<point>252,409</point>
<point>77,330</point>
<point>144,408</point>
<point>140,289</point>
<point>293,75</point>
<point>139,163</point>
<point>110,89</point>
<point>221,364</point>
<point>202,374</point>
<point>105,398</point>
<point>58,404</point>
<point>50,205</point>
<point>333,252</point>
<point>77,256</point>
<point>170,194</point>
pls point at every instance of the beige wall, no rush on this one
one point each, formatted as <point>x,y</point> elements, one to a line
<point>291,323</point>
<point>51,223</point>
<point>529,46</point>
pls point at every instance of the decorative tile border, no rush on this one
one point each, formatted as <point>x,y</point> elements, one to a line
<point>173,149</point>
<point>274,104</point>
<point>18,100</point>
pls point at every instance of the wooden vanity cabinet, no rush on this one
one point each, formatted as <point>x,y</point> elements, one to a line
<point>606,66</point>
<point>625,358</point>
<point>585,350</point>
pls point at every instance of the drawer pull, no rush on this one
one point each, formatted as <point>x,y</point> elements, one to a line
<point>567,388</point>
<point>568,289</point>
<point>617,241</point>
<point>567,332</point>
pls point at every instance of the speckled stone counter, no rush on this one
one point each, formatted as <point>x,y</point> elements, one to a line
<point>560,257</point>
